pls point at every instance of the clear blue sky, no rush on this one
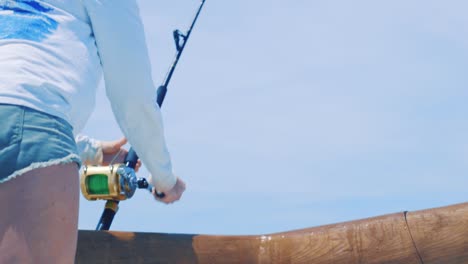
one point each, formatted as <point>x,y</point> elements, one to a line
<point>292,114</point>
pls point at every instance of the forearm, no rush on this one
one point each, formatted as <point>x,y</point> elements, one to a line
<point>141,121</point>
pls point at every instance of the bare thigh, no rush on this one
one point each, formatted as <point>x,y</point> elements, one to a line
<point>39,216</point>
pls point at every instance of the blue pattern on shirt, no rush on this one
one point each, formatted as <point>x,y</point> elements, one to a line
<point>25,19</point>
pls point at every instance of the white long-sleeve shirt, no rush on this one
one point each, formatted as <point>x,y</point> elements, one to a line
<point>53,54</point>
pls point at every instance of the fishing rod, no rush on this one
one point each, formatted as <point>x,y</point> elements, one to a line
<point>119,182</point>
<point>178,37</point>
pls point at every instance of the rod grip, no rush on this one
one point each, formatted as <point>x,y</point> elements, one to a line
<point>131,159</point>
<point>161,94</point>
<point>108,215</point>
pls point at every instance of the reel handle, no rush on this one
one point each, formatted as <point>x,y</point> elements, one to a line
<point>143,184</point>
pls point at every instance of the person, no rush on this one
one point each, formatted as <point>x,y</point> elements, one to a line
<point>53,54</point>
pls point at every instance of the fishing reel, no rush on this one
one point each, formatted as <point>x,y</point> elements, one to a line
<point>116,182</point>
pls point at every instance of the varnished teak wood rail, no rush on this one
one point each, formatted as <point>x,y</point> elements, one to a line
<point>437,235</point>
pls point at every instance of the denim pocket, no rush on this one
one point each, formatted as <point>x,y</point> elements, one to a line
<point>12,118</point>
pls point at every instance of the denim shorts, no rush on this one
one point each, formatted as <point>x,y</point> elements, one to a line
<point>30,139</point>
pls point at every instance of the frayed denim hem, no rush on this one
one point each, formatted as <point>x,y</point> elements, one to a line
<point>37,165</point>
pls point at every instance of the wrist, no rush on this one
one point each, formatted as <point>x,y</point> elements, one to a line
<point>163,185</point>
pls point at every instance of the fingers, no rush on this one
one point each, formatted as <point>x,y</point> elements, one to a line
<point>112,148</point>
<point>109,147</point>
<point>157,196</point>
<point>166,199</point>
<point>138,165</point>
<point>119,143</point>
<point>172,195</point>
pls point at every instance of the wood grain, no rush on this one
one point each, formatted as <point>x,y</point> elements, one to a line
<point>440,236</point>
<point>374,240</point>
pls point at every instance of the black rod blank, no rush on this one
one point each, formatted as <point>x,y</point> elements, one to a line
<point>162,90</point>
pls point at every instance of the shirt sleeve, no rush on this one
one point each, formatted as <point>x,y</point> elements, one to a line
<point>121,43</point>
<point>89,149</point>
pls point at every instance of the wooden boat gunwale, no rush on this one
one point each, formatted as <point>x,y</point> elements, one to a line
<point>438,235</point>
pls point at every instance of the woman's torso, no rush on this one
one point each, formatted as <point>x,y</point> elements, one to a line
<point>48,58</point>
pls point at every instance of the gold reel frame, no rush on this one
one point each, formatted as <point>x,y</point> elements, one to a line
<point>113,182</point>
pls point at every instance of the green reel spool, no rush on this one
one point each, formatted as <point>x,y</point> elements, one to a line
<point>98,184</point>
<point>114,182</point>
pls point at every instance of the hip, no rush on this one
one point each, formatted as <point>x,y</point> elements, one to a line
<point>30,139</point>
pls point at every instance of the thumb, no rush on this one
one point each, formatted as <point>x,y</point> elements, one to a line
<point>119,143</point>
<point>113,146</point>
